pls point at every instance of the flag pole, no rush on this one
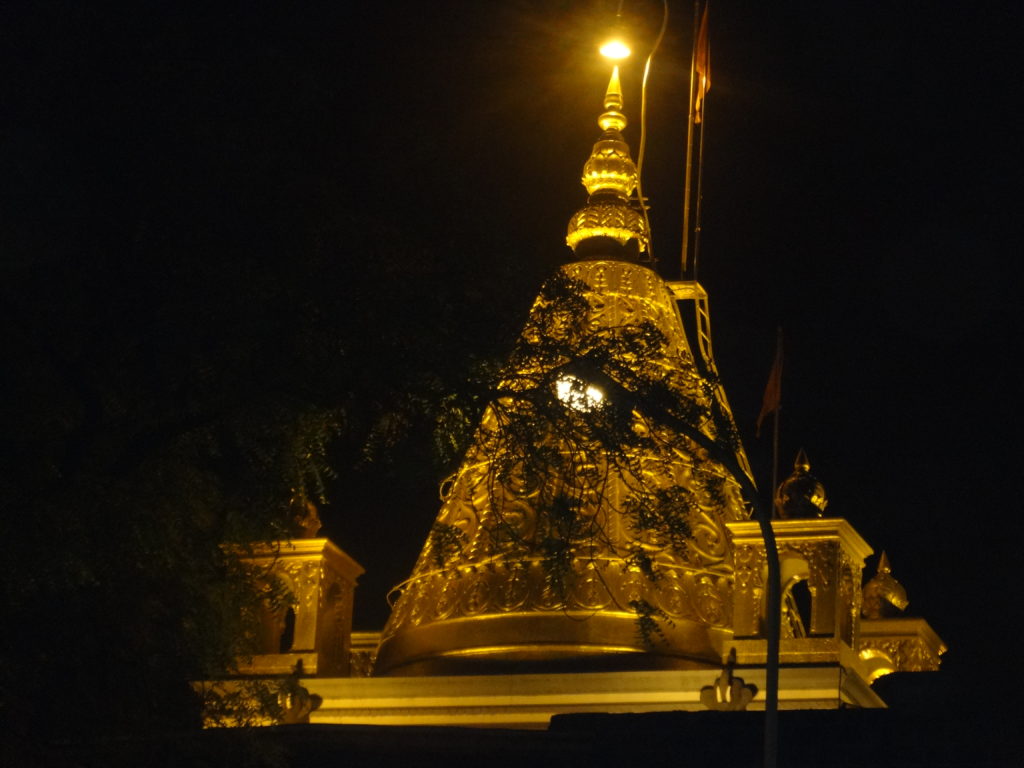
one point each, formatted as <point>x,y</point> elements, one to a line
<point>773,607</point>
<point>689,144</point>
<point>775,428</point>
<point>773,619</point>
<point>700,194</point>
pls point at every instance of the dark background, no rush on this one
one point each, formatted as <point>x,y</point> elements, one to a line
<point>212,177</point>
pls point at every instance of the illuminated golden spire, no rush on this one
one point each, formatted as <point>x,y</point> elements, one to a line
<point>609,176</point>
<point>575,519</point>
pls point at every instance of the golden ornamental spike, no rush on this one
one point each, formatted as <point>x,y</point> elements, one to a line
<point>610,177</point>
<point>613,119</point>
<point>802,464</point>
<point>883,563</point>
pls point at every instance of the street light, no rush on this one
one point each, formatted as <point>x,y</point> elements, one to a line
<point>578,394</point>
<point>615,48</point>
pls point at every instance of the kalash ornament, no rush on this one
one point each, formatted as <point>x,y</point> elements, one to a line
<point>801,494</point>
<point>582,531</point>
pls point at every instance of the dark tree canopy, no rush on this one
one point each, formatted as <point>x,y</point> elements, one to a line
<point>203,319</point>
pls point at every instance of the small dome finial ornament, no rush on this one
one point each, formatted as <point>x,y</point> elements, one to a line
<point>609,176</point>
<point>883,596</point>
<point>801,494</point>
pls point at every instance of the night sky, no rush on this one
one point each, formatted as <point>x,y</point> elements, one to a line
<point>860,190</point>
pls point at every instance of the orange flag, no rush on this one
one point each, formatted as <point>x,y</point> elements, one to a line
<point>702,65</point>
<point>773,389</point>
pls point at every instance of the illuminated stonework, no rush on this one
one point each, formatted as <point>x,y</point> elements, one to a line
<point>828,555</point>
<point>890,642</point>
<point>899,645</point>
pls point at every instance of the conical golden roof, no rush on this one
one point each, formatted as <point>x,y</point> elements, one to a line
<point>571,524</point>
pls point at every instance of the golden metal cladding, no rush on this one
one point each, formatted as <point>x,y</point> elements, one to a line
<point>619,222</point>
<point>610,169</point>
<point>610,177</point>
<point>481,599</point>
<point>500,617</point>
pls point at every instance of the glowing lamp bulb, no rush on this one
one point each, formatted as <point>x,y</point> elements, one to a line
<point>615,49</point>
<point>578,394</point>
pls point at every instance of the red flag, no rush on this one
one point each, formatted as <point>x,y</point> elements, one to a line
<point>702,65</point>
<point>773,389</point>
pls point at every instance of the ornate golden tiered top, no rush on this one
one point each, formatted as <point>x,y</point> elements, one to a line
<point>801,494</point>
<point>609,177</point>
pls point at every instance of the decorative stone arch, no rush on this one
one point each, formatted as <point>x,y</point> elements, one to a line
<point>797,593</point>
<point>277,623</point>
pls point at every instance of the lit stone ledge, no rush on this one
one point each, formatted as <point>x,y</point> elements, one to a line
<point>278,664</point>
<point>529,701</point>
<point>899,645</point>
<point>801,650</point>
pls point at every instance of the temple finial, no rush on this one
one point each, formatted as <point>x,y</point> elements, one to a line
<point>801,494</point>
<point>613,119</point>
<point>883,564</point>
<point>802,464</point>
<point>610,226</point>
